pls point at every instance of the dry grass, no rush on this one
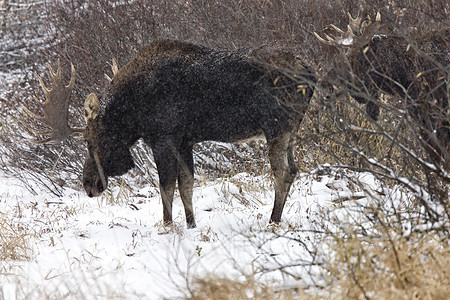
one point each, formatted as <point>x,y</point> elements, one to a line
<point>224,288</point>
<point>14,240</point>
<point>390,266</point>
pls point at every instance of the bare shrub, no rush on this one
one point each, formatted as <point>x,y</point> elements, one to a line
<point>409,143</point>
<point>398,247</point>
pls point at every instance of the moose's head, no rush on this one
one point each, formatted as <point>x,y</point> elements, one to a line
<point>102,148</point>
<point>352,45</point>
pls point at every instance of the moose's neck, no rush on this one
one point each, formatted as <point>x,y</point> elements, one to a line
<point>120,121</point>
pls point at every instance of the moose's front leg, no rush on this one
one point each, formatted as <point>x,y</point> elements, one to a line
<point>167,165</point>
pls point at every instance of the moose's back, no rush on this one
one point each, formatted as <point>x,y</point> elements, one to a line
<point>192,92</point>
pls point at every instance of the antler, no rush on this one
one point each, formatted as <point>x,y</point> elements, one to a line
<point>114,69</point>
<point>55,108</point>
<point>357,35</point>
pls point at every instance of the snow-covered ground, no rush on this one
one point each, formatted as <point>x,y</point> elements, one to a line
<point>116,246</point>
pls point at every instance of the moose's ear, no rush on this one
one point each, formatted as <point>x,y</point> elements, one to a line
<point>91,107</point>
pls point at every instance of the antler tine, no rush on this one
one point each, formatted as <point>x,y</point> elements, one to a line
<point>114,68</point>
<point>40,119</point>
<point>72,78</point>
<point>33,115</point>
<point>48,140</point>
<point>55,107</point>
<point>328,40</point>
<point>378,17</point>
<point>355,23</point>
<point>41,82</point>
<point>58,71</point>
<point>337,29</point>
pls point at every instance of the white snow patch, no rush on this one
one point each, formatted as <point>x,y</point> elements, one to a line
<point>91,248</point>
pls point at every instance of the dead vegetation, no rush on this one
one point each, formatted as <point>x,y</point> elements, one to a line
<point>224,288</point>
<point>385,262</point>
<point>389,266</point>
<point>14,240</point>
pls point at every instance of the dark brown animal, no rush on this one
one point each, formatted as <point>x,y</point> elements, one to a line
<point>415,72</point>
<point>175,94</point>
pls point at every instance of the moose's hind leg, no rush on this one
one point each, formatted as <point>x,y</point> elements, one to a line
<point>186,183</point>
<point>284,171</point>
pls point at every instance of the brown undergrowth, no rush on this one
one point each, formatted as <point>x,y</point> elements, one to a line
<point>14,240</point>
<point>224,288</point>
<point>389,266</point>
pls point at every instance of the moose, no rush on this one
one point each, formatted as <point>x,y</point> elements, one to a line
<point>414,72</point>
<point>175,94</point>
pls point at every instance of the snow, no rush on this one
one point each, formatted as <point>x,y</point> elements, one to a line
<point>116,246</point>
<point>346,41</point>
